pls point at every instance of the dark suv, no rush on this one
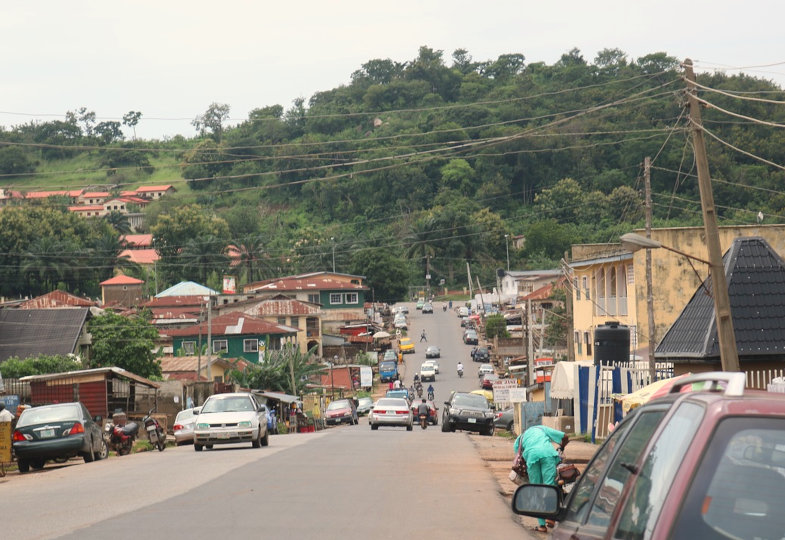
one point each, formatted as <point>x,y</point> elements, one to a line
<point>467,411</point>
<point>703,464</point>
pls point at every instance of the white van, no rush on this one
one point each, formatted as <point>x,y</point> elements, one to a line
<point>463,311</point>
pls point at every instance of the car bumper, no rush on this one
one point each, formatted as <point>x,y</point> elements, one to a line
<point>225,436</point>
<point>389,420</point>
<point>470,423</point>
<point>181,436</point>
<point>339,420</point>
<point>53,448</point>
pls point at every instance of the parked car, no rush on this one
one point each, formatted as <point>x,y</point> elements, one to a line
<point>183,426</point>
<point>505,420</point>
<point>484,370</point>
<point>464,320</point>
<point>341,411</point>
<point>487,381</point>
<point>427,308</point>
<point>229,419</point>
<point>400,323</point>
<point>59,432</point>
<point>467,411</point>
<point>432,352</point>
<point>433,416</point>
<point>481,354</point>
<point>364,405</point>
<point>389,355</point>
<point>470,337</point>
<point>402,308</point>
<point>701,464</point>
<point>406,345</point>
<point>391,411</point>
<point>463,311</point>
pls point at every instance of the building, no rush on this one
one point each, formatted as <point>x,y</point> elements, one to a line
<point>153,192</point>
<point>518,283</point>
<point>57,299</point>
<point>122,291</point>
<point>184,368</point>
<point>33,332</point>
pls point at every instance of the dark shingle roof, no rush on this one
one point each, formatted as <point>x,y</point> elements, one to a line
<point>756,287</point>
<point>30,332</point>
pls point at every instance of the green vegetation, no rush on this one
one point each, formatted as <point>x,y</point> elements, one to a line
<point>411,168</point>
<point>14,367</point>
<point>125,342</point>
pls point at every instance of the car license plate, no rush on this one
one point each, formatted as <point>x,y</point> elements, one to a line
<point>47,433</point>
<point>472,420</point>
<point>224,435</point>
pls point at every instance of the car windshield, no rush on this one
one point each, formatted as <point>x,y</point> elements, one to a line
<point>391,403</point>
<point>470,400</point>
<point>339,404</point>
<point>229,404</point>
<point>42,415</point>
<point>389,355</point>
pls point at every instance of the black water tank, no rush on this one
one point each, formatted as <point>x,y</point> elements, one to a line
<point>611,343</point>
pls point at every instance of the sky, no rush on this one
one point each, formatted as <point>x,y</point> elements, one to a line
<point>171,59</point>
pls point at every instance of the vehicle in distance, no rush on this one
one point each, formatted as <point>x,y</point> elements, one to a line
<point>229,419</point>
<point>364,405</point>
<point>420,304</point>
<point>435,365</point>
<point>389,354</point>
<point>702,464</point>
<point>505,420</point>
<point>470,337</point>
<point>481,354</point>
<point>406,345</point>
<point>463,311</point>
<point>487,381</point>
<point>432,352</point>
<point>399,393</point>
<point>427,372</point>
<point>469,412</point>
<point>433,411</point>
<point>427,308</point>
<point>183,427</point>
<point>60,431</point>
<point>403,308</point>
<point>341,411</point>
<point>388,370</point>
<point>485,369</point>
<point>390,411</point>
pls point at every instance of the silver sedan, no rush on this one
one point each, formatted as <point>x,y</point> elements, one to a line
<point>391,412</point>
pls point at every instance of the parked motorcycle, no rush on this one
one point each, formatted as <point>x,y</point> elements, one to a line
<point>423,421</point>
<point>120,434</point>
<point>154,430</point>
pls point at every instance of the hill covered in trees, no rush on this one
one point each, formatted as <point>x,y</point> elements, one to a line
<point>433,161</point>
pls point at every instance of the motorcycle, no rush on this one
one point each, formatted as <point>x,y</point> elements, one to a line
<point>423,421</point>
<point>430,396</point>
<point>120,434</point>
<point>444,307</point>
<point>154,430</point>
<point>460,373</point>
<point>566,474</point>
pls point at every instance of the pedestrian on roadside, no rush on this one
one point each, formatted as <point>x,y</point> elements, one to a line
<point>391,386</point>
<point>541,458</point>
<point>422,336</point>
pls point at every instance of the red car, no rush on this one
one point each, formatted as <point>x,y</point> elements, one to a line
<point>434,416</point>
<point>703,464</point>
<point>487,381</point>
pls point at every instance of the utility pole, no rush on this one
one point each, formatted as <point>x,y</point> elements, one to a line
<point>729,356</point>
<point>568,310</point>
<point>530,351</point>
<point>209,338</point>
<point>652,337</point>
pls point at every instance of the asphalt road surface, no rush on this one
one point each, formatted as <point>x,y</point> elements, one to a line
<point>348,482</point>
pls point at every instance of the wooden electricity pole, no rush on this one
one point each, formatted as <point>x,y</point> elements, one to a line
<point>652,337</point>
<point>729,356</point>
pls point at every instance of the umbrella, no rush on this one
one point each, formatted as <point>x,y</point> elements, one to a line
<point>380,335</point>
<point>647,393</point>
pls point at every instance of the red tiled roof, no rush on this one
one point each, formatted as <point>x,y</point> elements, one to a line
<point>95,194</point>
<point>141,256</point>
<point>45,194</point>
<point>134,200</point>
<point>137,240</point>
<point>122,280</point>
<point>128,193</point>
<point>236,323</point>
<point>146,189</point>
<point>316,283</point>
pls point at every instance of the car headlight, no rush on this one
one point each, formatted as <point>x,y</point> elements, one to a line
<point>489,414</point>
<point>202,426</point>
<point>454,411</point>
<point>244,423</point>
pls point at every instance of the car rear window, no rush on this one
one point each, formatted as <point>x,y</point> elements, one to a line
<point>391,403</point>
<point>182,416</point>
<point>44,414</point>
<point>740,484</point>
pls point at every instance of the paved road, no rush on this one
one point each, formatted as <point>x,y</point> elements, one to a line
<point>347,482</point>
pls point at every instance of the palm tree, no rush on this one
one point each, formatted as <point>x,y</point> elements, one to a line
<point>47,258</point>
<point>105,257</point>
<point>119,222</point>
<point>424,240</point>
<point>205,254</point>
<point>251,252</point>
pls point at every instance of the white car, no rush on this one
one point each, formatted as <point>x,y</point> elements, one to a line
<point>390,412</point>
<point>485,369</point>
<point>427,371</point>
<point>231,419</point>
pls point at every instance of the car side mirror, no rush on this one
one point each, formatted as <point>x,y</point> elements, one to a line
<point>197,410</point>
<point>447,403</point>
<point>98,419</point>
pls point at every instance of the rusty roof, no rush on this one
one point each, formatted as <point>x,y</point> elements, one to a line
<point>56,299</point>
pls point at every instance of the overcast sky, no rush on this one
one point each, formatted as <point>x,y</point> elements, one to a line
<point>170,59</point>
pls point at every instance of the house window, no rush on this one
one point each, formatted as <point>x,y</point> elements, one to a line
<point>576,288</point>
<point>294,322</point>
<point>282,320</point>
<point>352,298</point>
<point>189,347</point>
<point>313,298</point>
<point>578,344</point>
<point>588,343</point>
<point>250,345</point>
<point>220,346</point>
<point>336,298</point>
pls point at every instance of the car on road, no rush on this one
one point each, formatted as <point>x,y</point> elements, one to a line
<point>469,412</point>
<point>402,308</point>
<point>427,308</point>
<point>505,419</point>
<point>406,345</point>
<point>364,405</point>
<point>399,322</point>
<point>390,411</point>
<point>433,416</point>
<point>435,365</point>
<point>709,463</point>
<point>183,427</point>
<point>341,411</point>
<point>229,419</point>
<point>464,321</point>
<point>485,369</point>
<point>427,371</point>
<point>399,393</point>
<point>60,431</point>
<point>481,354</point>
<point>470,337</point>
<point>487,381</point>
<point>420,304</point>
<point>432,352</point>
<point>389,355</point>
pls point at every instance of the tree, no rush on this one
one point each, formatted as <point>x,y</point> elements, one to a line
<point>108,132</point>
<point>251,251</point>
<point>131,119</point>
<point>15,367</point>
<point>126,343</point>
<point>212,121</point>
<point>385,273</point>
<point>278,370</point>
<point>14,160</point>
<point>205,254</point>
<point>496,325</point>
<point>557,324</point>
<point>46,259</point>
<point>119,222</point>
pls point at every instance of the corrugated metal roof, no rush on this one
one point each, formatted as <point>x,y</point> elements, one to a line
<point>87,373</point>
<point>56,299</point>
<point>236,323</point>
<point>187,288</point>
<point>32,332</point>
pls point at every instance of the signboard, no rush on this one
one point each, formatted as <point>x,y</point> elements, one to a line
<point>11,402</point>
<point>229,285</point>
<point>366,376</point>
<point>5,442</point>
<point>501,391</point>
<point>517,395</point>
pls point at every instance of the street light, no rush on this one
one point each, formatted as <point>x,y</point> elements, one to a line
<point>507,247</point>
<point>729,356</point>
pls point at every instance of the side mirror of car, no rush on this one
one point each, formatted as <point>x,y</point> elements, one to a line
<point>197,410</point>
<point>447,403</point>
<point>98,419</point>
<point>537,500</point>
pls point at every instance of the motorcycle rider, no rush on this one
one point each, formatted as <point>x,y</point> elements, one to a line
<point>423,409</point>
<point>460,367</point>
<point>430,391</point>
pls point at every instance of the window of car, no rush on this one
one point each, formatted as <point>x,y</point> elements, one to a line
<point>390,403</point>
<point>623,446</point>
<point>339,404</point>
<point>182,416</point>
<point>469,400</point>
<point>44,414</point>
<point>653,481</point>
<point>740,482</point>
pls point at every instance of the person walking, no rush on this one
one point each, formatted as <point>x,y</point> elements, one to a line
<point>422,336</point>
<point>541,457</point>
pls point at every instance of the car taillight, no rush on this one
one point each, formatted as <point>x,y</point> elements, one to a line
<point>498,415</point>
<point>401,412</point>
<point>18,436</point>
<point>177,427</point>
<point>78,428</point>
<point>379,411</point>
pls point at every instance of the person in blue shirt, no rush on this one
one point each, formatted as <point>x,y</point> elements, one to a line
<point>541,456</point>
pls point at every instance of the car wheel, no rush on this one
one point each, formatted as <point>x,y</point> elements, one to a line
<point>257,442</point>
<point>374,427</point>
<point>489,431</point>
<point>511,426</point>
<point>23,465</point>
<point>266,439</point>
<point>198,447</point>
<point>103,452</point>
<point>38,464</point>
<point>445,427</point>
<point>409,427</point>
<point>89,457</point>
